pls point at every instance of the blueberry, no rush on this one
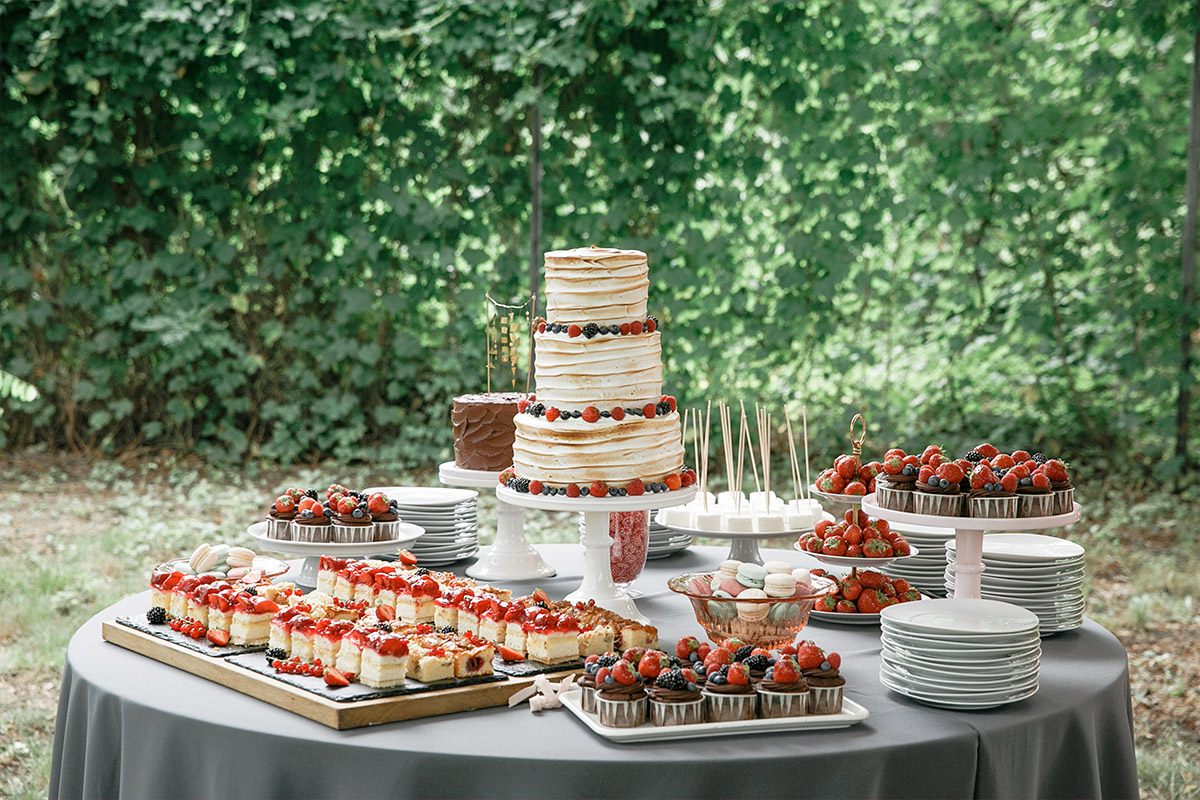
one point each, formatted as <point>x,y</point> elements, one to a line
<point>612,491</point>
<point>356,513</point>
<point>609,678</point>
<point>1027,481</point>
<point>943,483</point>
<point>622,492</point>
<point>826,666</point>
<point>584,491</point>
<point>717,679</point>
<point>606,414</point>
<point>769,675</point>
<point>933,481</point>
<point>693,687</point>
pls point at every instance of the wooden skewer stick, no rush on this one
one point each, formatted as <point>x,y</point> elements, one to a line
<point>741,461</point>
<point>726,440</point>
<point>807,476</point>
<point>704,452</point>
<point>753,466</point>
<point>792,455</point>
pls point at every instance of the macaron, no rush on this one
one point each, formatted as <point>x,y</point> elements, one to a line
<point>721,611</point>
<point>729,567</point>
<point>732,587</point>
<point>751,575</point>
<point>803,580</point>
<point>753,612</point>
<point>778,566</point>
<point>782,612</point>
<point>698,585</point>
<point>780,584</point>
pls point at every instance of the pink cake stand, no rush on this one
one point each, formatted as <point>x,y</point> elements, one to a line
<point>968,536</point>
<point>511,557</point>
<point>597,582</point>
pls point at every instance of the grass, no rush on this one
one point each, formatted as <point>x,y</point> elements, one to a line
<point>76,536</point>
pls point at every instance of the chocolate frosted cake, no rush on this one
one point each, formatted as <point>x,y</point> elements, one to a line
<point>484,430</point>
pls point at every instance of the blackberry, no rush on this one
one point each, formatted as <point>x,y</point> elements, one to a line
<point>1040,458</point>
<point>310,493</point>
<point>678,663</point>
<point>662,408</point>
<point>743,652</point>
<point>422,571</point>
<point>591,329</point>
<point>542,604</point>
<point>607,660</point>
<point>671,679</point>
<point>251,590</point>
<point>537,409</point>
<point>974,456</point>
<point>447,629</point>
<point>275,654</point>
<point>384,626</point>
<point>757,663</point>
<point>157,615</point>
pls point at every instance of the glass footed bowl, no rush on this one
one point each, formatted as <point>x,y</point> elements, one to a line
<point>724,619</point>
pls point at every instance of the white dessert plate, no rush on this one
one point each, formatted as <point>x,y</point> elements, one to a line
<point>920,640</point>
<point>964,705</point>
<point>989,669</point>
<point>851,714</point>
<point>856,561</point>
<point>407,534</point>
<point>1034,547</point>
<point>852,499</point>
<point>953,682</point>
<point>920,690</point>
<point>1066,581</point>
<point>943,653</point>
<point>424,496</point>
<point>961,617</point>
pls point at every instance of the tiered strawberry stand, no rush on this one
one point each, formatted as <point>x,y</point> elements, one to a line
<point>968,535</point>
<point>511,557</point>
<point>597,582</point>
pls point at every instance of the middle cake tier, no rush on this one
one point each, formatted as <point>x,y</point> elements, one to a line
<point>575,451</point>
<point>573,373</point>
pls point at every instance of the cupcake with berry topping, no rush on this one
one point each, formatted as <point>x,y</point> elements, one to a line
<point>280,516</point>
<point>1034,495</point>
<point>991,496</point>
<point>313,522</point>
<point>894,486</point>
<point>620,696</point>
<point>826,686</point>
<point>938,488</point>
<point>1060,484</point>
<point>729,694</point>
<point>587,681</point>
<point>783,691</point>
<point>352,522</point>
<point>675,698</point>
<point>385,517</point>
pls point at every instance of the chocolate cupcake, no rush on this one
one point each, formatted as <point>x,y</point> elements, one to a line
<point>1035,501</point>
<point>930,497</point>
<point>620,705</point>
<point>352,522</point>
<point>730,695</point>
<point>280,516</point>
<point>675,700</point>
<point>827,688</point>
<point>784,692</point>
<point>312,525</point>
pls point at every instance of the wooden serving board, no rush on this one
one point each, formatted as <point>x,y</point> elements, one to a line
<point>339,715</point>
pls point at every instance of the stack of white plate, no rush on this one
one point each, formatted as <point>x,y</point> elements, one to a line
<point>924,570</point>
<point>1039,573</point>
<point>961,654</point>
<point>448,517</point>
<point>663,541</point>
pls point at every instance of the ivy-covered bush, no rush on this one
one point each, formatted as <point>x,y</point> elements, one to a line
<point>267,229</point>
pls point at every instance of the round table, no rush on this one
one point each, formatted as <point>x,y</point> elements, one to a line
<point>129,726</point>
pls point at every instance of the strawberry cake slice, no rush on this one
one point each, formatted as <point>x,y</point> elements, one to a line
<point>251,623</point>
<point>384,660</point>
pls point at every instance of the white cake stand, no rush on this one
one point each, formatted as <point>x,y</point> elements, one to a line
<point>314,550</point>
<point>968,536</point>
<point>597,582</point>
<point>743,545</point>
<point>511,557</point>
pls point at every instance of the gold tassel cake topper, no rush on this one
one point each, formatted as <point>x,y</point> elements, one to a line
<point>505,326</point>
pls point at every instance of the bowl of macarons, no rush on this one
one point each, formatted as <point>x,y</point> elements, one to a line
<point>761,604</point>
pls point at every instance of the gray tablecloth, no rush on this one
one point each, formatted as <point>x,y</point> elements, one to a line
<point>129,726</point>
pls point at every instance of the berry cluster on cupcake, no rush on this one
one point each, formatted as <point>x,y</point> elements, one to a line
<point>343,516</point>
<point>984,483</point>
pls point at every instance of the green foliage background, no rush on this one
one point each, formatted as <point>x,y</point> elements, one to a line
<point>266,229</point>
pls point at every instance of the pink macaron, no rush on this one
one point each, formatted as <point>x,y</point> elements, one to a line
<point>699,586</point>
<point>732,586</point>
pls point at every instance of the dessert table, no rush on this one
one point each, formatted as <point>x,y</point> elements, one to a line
<point>129,726</point>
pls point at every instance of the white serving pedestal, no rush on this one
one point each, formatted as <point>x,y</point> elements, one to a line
<point>597,582</point>
<point>313,551</point>
<point>511,557</point>
<point>968,536</point>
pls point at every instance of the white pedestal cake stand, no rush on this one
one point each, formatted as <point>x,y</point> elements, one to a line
<point>968,537</point>
<point>511,557</point>
<point>597,582</point>
<point>314,550</point>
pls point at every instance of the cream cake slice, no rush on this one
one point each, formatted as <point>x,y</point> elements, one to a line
<point>384,661</point>
<point>251,623</point>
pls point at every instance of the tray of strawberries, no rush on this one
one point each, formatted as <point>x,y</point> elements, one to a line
<point>861,596</point>
<point>855,541</point>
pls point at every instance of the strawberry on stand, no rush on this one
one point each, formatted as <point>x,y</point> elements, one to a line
<point>856,536</point>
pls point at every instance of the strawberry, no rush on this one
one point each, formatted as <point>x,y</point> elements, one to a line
<point>172,580</point>
<point>718,658</point>
<point>686,646</point>
<point>831,484</point>
<point>821,527</point>
<point>623,673</point>
<point>869,470</point>
<point>572,490</point>
<point>653,663</point>
<point>871,579</point>
<point>853,535</point>
<point>651,325</point>
<point>1003,462</point>
<point>1021,471</point>
<point>908,597</point>
<point>406,557</point>
<point>788,650</point>
<point>597,489</point>
<point>602,675</point>
<point>896,452</point>
<point>377,503</point>
<point>924,475</point>
<point>688,476</point>
<point>910,461</point>
<point>305,503</point>
<point>648,411</point>
<point>284,503</point>
<point>1020,456</point>
<point>673,481</point>
<point>877,548</point>
<point>508,654</point>
<point>892,465</point>
<point>834,659</point>
<point>929,452</point>
<point>552,414</point>
<point>809,656</point>
<point>855,488</point>
<point>814,544</point>
<point>1009,482</point>
<point>218,637</point>
<point>317,510</point>
<point>851,588</point>
<point>666,398</point>
<point>335,678</point>
<point>635,488</point>
<point>854,550</point>
<point>541,327</point>
<point>787,670</point>
<point>507,475</point>
<point>522,404</point>
<point>705,649</point>
<point>347,504</point>
<point>574,330</point>
<point>635,327</point>
<point>936,460</point>
<point>591,414</point>
<point>1040,481</point>
<point>335,488</point>
<point>964,465</point>
<point>981,476</point>
<point>870,532</point>
<point>846,466</point>
<point>881,525</point>
<point>846,607</point>
<point>1055,470</point>
<point>385,612</point>
<point>617,413</point>
<point>987,451</point>
<point>870,486</point>
<point>264,606</point>
<point>950,472</point>
<point>834,546</point>
<point>738,675</point>
<point>535,487</point>
<point>871,601</point>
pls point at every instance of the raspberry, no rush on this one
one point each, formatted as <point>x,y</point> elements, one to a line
<point>551,414</point>
<point>618,413</point>
<point>590,414</point>
<point>541,328</point>
<point>598,489</point>
<point>625,329</point>
<point>671,401</point>
<point>651,324</point>
<point>673,482</point>
<point>573,331</point>
<point>687,477</point>
<point>535,487</point>
<point>572,490</point>
<point>635,327</point>
<point>648,410</point>
<point>636,488</point>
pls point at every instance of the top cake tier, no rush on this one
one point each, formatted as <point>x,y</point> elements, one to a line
<point>596,284</point>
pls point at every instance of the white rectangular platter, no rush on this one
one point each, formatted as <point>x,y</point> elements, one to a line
<point>851,714</point>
